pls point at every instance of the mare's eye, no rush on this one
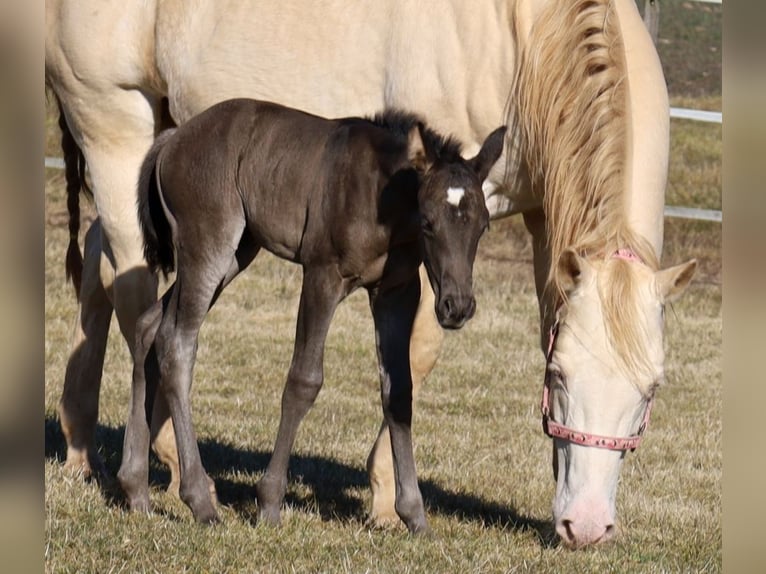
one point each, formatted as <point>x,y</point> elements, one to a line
<point>427,226</point>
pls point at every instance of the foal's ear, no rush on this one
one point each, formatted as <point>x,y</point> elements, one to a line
<point>488,154</point>
<point>416,151</point>
<point>672,282</point>
<point>572,269</point>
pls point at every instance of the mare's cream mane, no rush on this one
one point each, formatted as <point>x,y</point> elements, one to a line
<point>570,124</point>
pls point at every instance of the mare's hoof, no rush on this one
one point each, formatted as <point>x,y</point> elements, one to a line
<point>174,488</point>
<point>80,464</point>
<point>384,521</point>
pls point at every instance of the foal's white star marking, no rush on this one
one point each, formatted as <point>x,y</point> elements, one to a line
<point>454,195</point>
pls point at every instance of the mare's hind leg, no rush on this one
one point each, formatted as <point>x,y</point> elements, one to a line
<point>163,440</point>
<point>425,344</point>
<point>394,313</point>
<point>321,292</point>
<point>78,406</point>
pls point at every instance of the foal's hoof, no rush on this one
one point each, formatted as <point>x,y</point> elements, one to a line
<point>140,503</point>
<point>422,532</point>
<point>203,510</point>
<point>208,518</point>
<point>269,516</point>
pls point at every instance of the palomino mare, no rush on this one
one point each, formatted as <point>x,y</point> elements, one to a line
<point>580,85</point>
<point>357,203</point>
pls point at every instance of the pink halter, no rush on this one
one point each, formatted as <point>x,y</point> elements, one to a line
<point>556,430</point>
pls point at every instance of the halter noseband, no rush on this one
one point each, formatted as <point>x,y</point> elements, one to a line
<point>556,430</point>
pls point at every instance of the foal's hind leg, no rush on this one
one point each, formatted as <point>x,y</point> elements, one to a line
<point>201,277</point>
<point>425,344</point>
<point>321,292</point>
<point>134,470</point>
<point>78,406</point>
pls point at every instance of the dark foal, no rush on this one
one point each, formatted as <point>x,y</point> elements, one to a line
<point>357,203</point>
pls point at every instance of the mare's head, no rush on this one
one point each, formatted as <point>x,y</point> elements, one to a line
<point>453,216</point>
<point>604,363</point>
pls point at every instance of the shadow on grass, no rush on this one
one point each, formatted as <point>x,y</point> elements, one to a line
<point>331,484</point>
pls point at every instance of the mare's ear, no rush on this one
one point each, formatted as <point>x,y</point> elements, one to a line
<point>673,281</point>
<point>488,154</point>
<point>572,269</point>
<point>416,151</point>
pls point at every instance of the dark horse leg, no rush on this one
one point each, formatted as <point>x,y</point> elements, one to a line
<point>425,344</point>
<point>134,470</point>
<point>394,311</point>
<point>168,353</point>
<point>321,292</point>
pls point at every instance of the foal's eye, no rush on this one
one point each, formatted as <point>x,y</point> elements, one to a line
<point>427,226</point>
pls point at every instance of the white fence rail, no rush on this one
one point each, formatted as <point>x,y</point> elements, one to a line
<point>697,115</point>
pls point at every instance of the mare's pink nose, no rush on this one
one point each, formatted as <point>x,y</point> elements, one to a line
<point>591,525</point>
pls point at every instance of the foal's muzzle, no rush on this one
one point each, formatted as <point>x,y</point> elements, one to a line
<point>454,311</point>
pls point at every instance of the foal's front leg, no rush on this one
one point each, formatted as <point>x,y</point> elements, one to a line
<point>322,291</point>
<point>425,344</point>
<point>394,313</point>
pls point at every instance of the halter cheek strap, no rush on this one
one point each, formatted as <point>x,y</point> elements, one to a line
<point>556,430</point>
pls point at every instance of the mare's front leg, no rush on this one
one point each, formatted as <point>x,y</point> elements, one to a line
<point>425,344</point>
<point>394,311</point>
<point>321,292</point>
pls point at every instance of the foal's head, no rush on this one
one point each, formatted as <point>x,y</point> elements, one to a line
<point>453,217</point>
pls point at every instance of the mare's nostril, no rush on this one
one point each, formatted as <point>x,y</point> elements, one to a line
<point>564,530</point>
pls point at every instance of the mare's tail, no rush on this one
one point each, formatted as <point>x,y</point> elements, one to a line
<point>74,164</point>
<point>158,236</point>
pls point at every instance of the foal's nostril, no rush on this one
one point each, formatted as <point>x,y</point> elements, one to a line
<point>449,306</point>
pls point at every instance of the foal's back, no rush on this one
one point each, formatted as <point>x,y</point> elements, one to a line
<point>288,176</point>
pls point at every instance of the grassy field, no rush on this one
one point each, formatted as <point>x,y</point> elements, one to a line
<point>483,462</point>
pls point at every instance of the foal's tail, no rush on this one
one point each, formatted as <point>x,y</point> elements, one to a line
<point>158,236</point>
<point>74,164</point>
